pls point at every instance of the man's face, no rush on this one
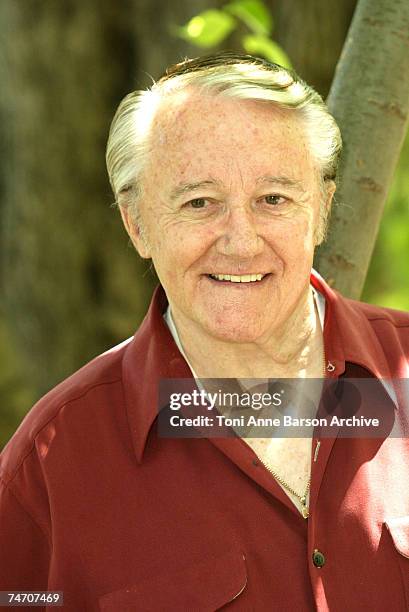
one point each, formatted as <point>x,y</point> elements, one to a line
<point>230,189</point>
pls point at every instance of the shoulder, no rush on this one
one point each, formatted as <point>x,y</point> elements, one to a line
<point>395,318</point>
<point>377,315</point>
<point>352,312</point>
<point>375,336</point>
<point>386,327</point>
<point>67,406</point>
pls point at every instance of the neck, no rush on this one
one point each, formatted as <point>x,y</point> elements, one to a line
<point>294,350</point>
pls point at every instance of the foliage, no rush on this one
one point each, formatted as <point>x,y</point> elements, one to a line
<point>208,29</point>
<point>211,27</point>
<point>262,46</point>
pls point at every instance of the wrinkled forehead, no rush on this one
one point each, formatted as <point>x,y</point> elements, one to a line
<point>192,111</point>
<point>205,133</point>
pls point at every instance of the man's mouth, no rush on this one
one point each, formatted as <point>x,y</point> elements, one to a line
<point>235,278</point>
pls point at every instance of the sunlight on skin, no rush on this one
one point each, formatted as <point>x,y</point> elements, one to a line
<point>230,188</point>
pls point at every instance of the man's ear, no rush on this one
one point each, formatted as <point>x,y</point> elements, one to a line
<point>135,232</point>
<point>330,188</point>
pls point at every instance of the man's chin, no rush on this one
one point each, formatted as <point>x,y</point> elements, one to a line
<point>237,334</point>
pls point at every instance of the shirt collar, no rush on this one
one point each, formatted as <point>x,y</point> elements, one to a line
<point>150,356</point>
<point>153,355</point>
<point>348,334</point>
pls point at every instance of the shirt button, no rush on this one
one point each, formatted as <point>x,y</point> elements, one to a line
<point>318,558</point>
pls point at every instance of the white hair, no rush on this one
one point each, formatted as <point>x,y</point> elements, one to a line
<point>226,74</point>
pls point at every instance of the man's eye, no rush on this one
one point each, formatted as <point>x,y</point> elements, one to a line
<point>197,203</point>
<point>274,200</point>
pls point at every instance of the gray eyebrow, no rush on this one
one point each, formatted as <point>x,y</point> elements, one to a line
<point>184,188</point>
<point>188,187</point>
<point>281,180</point>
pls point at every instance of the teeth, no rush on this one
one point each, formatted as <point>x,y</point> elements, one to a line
<point>244,278</point>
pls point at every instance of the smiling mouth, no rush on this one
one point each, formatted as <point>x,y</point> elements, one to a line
<point>234,278</point>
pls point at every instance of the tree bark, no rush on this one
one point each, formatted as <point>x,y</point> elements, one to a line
<point>370,100</point>
<point>72,287</point>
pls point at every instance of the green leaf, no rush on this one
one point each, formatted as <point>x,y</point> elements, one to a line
<point>207,29</point>
<point>263,46</point>
<point>253,13</point>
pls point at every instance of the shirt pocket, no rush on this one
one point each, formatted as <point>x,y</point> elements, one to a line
<point>205,586</point>
<point>399,531</point>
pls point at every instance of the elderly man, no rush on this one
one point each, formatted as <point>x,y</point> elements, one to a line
<point>224,175</point>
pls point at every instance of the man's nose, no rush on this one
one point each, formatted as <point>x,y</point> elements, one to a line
<point>240,236</point>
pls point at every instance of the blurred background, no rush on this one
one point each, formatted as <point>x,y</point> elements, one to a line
<point>71,285</point>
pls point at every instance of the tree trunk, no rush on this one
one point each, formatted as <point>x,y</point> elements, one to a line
<point>370,100</point>
<point>72,285</point>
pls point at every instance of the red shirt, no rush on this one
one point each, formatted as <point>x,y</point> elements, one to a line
<point>93,503</point>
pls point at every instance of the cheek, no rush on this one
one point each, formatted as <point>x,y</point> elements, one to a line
<point>177,249</point>
<point>291,240</point>
<point>194,238</point>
